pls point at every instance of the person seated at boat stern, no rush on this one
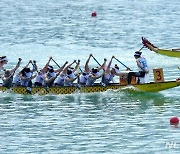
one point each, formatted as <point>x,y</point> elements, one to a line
<point>95,74</point>
<point>142,67</point>
<point>7,77</point>
<point>110,73</point>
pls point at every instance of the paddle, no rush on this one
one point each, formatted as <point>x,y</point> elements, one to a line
<point>122,63</point>
<point>99,65</point>
<point>179,68</point>
<point>96,61</point>
<point>55,62</point>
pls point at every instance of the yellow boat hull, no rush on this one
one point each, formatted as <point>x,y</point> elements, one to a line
<point>169,53</point>
<point>155,87</point>
<point>150,87</point>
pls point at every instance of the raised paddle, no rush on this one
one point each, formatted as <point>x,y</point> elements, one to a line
<point>122,63</point>
<point>55,62</point>
<point>96,61</point>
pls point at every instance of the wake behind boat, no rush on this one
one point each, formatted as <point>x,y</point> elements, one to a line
<point>167,52</point>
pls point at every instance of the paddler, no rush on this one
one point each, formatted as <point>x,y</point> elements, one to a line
<point>71,75</point>
<point>95,74</point>
<point>111,73</point>
<point>3,61</point>
<point>7,77</point>
<point>85,74</point>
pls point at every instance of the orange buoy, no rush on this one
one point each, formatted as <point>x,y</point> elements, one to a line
<point>174,121</point>
<point>93,14</point>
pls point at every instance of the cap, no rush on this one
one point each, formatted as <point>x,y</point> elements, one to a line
<point>137,53</point>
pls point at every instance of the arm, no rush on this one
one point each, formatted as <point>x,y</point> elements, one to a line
<point>44,69</point>
<point>95,77</point>
<point>16,67</point>
<point>67,79</point>
<point>109,65</point>
<point>103,65</point>
<point>77,66</point>
<point>47,80</point>
<point>66,68</point>
<point>25,66</point>
<point>87,64</point>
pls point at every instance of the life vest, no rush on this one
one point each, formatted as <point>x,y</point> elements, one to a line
<point>108,78</point>
<point>84,78</point>
<point>25,82</point>
<point>70,76</point>
<point>40,78</point>
<point>60,80</point>
<point>17,80</point>
<point>90,81</point>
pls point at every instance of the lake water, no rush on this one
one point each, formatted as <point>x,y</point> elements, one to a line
<point>122,121</point>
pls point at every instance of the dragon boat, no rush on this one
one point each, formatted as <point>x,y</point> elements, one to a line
<point>167,52</point>
<point>147,87</point>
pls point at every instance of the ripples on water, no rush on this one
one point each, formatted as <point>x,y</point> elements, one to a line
<point>122,121</point>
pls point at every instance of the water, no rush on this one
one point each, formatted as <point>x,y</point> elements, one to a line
<point>110,122</point>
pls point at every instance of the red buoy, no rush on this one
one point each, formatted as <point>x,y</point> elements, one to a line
<point>174,121</point>
<point>93,14</point>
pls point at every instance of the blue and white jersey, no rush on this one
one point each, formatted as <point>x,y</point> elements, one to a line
<point>143,63</point>
<point>90,81</point>
<point>108,78</point>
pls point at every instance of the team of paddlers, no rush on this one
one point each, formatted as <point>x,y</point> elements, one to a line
<point>66,75</point>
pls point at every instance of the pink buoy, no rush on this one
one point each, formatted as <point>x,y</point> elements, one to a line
<point>174,121</point>
<point>93,14</point>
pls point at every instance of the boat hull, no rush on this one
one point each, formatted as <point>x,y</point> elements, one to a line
<point>169,53</point>
<point>150,87</point>
<point>155,87</point>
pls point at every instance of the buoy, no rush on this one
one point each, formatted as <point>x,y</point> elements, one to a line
<point>93,14</point>
<point>174,121</point>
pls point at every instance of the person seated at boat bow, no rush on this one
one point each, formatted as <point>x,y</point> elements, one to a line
<point>8,75</point>
<point>3,61</point>
<point>143,72</point>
